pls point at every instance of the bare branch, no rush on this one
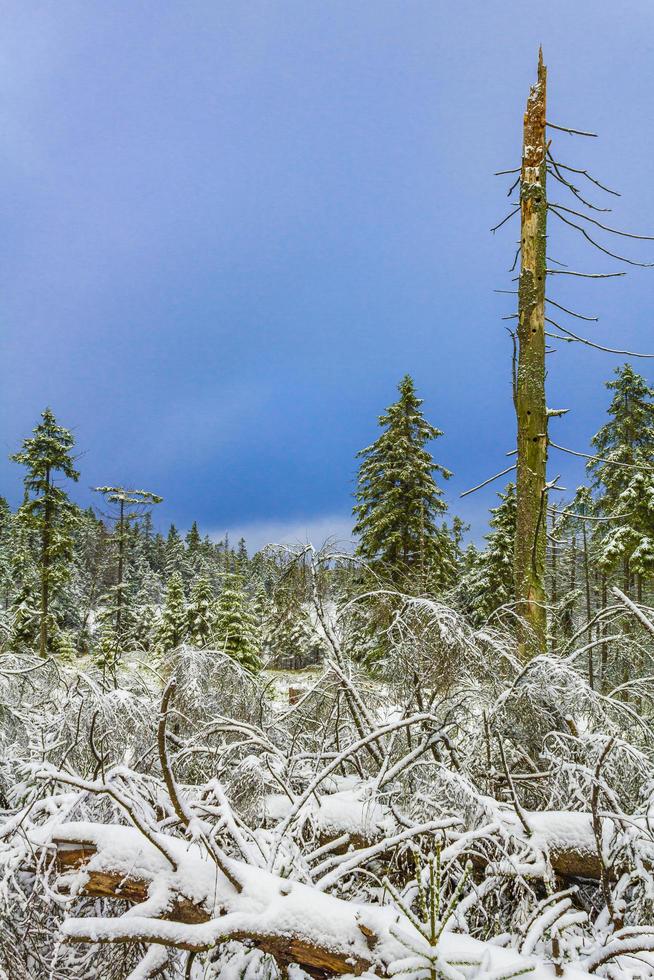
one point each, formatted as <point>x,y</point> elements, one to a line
<point>589,343</point>
<point>573,132</point>
<point>489,480</point>
<point>504,220</point>
<point>580,316</point>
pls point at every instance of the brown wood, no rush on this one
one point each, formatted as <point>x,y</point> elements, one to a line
<point>531,411</point>
<point>319,962</point>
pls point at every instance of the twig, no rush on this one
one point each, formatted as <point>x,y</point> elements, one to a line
<point>597,831</point>
<point>585,275</point>
<point>600,459</point>
<point>184,817</point>
<point>584,173</point>
<point>516,802</point>
<point>632,607</point>
<point>580,316</point>
<point>573,132</point>
<point>594,221</point>
<point>621,258</point>
<point>504,220</point>
<point>590,343</point>
<point>489,480</point>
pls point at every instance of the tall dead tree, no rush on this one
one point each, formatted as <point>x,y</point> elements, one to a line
<point>534,325</point>
<point>531,410</point>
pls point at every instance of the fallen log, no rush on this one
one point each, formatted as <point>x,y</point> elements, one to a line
<point>194,907</point>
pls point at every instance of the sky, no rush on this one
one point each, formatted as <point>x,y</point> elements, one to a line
<point>230,228</point>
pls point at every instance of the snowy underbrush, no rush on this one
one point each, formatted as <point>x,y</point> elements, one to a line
<point>462,814</point>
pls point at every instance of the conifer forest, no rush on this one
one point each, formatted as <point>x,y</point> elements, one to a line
<point>427,756</point>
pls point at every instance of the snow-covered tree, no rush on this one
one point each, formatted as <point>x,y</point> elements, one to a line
<point>173,625</point>
<point>489,583</point>
<point>24,619</point>
<point>289,636</point>
<point>623,476</point>
<point>47,511</point>
<point>127,507</point>
<point>235,628</point>
<point>398,500</point>
<point>175,555</point>
<point>201,613</point>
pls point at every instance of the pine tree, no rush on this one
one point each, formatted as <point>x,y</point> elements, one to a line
<point>175,556</point>
<point>130,506</point>
<point>490,582</point>
<point>24,622</point>
<point>193,539</point>
<point>242,560</point>
<point>398,499</point>
<point>48,511</point>
<point>623,477</point>
<point>201,613</point>
<point>144,629</point>
<point>288,634</point>
<point>235,626</point>
<point>172,628</point>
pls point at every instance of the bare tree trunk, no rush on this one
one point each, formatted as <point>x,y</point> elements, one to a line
<point>529,566</point>
<point>554,590</point>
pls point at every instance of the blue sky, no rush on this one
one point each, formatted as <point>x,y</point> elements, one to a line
<point>229,228</point>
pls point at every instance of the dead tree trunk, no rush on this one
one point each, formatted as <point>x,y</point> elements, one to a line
<point>531,408</point>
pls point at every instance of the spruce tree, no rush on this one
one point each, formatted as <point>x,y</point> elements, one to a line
<point>288,634</point>
<point>173,626</point>
<point>193,539</point>
<point>128,507</point>
<point>490,582</point>
<point>47,510</point>
<point>236,631</point>
<point>175,556</point>
<point>24,621</point>
<point>623,477</point>
<point>398,500</point>
<point>144,629</point>
<point>201,613</point>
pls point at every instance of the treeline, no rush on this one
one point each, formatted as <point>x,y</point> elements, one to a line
<point>102,580</point>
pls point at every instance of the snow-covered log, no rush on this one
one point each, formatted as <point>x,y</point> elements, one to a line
<point>194,907</point>
<point>561,840</point>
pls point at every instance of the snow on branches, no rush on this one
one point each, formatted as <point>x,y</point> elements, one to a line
<point>464,816</point>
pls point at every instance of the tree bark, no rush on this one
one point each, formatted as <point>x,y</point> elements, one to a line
<point>529,565</point>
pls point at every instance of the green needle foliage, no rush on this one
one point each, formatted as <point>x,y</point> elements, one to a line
<point>398,500</point>
<point>47,511</point>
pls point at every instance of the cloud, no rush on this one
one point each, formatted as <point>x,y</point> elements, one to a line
<point>316,530</point>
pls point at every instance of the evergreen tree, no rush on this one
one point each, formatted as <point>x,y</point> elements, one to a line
<point>193,540</point>
<point>235,626</point>
<point>47,510</point>
<point>398,499</point>
<point>288,634</point>
<point>24,623</point>
<point>623,477</point>
<point>201,613</point>
<point>172,628</point>
<point>144,629</point>
<point>175,556</point>
<point>129,506</point>
<point>242,560</point>
<point>490,583</point>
